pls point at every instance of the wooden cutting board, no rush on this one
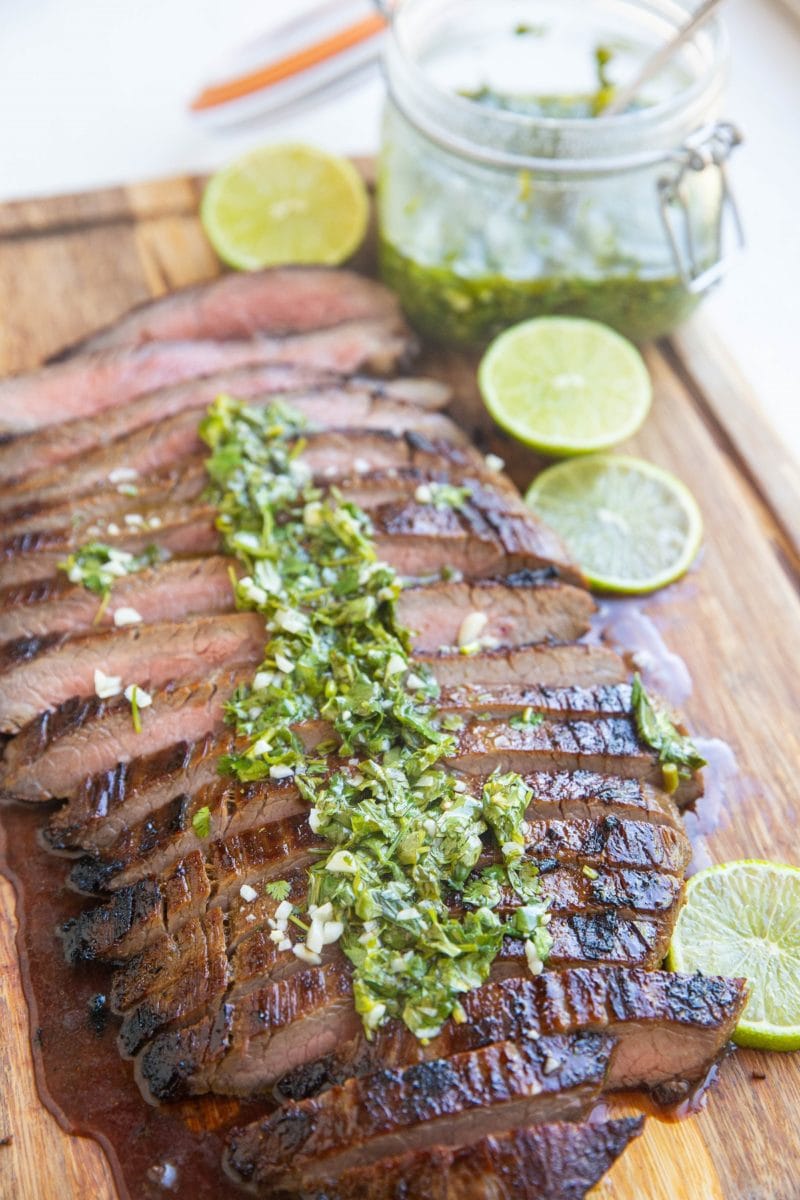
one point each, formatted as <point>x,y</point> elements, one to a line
<point>71,264</point>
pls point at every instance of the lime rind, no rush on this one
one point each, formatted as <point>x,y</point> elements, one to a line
<point>285,204</point>
<point>565,385</point>
<point>631,526</point>
<point>743,919</point>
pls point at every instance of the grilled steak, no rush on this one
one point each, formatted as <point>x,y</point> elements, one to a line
<point>559,1162</point>
<point>171,591</point>
<point>191,867</point>
<point>89,737</point>
<point>609,745</point>
<point>280,301</point>
<point>445,1102</point>
<point>91,383</point>
<point>668,1027</point>
<point>319,395</point>
<point>38,676</point>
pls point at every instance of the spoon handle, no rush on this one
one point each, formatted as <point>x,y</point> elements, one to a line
<point>623,95</point>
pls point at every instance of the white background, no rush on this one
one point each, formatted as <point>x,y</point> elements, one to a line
<point>95,92</point>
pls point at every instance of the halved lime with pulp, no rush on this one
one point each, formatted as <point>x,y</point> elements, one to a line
<point>285,204</point>
<point>743,918</point>
<point>565,385</point>
<point>631,526</point>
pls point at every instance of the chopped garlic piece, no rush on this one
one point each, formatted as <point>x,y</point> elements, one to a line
<point>106,686</point>
<point>280,772</point>
<point>284,910</point>
<point>472,627</point>
<point>551,1064</point>
<point>143,698</point>
<point>248,893</point>
<point>494,462</point>
<point>535,964</point>
<point>123,475</point>
<point>126,616</point>
<point>134,520</point>
<point>306,955</point>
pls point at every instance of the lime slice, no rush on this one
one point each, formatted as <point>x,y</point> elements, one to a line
<point>285,204</point>
<point>564,385</point>
<point>743,918</point>
<point>630,526</point>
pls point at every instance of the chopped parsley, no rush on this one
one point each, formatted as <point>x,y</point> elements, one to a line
<point>201,821</point>
<point>527,719</point>
<point>677,753</point>
<point>97,566</point>
<point>404,838</point>
<point>278,889</point>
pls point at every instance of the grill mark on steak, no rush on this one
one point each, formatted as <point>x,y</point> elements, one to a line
<point>425,1105</point>
<point>89,384</point>
<point>669,1027</point>
<point>558,1161</point>
<point>278,301</point>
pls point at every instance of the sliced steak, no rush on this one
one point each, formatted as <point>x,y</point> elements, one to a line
<point>669,1027</point>
<point>444,1102</point>
<point>329,455</point>
<point>278,301</point>
<point>257,853</point>
<point>151,986</point>
<point>90,738</point>
<point>547,666</point>
<point>168,592</point>
<point>321,396</point>
<point>242,1048</point>
<point>92,383</point>
<point>610,745</point>
<point>489,534</point>
<point>559,1162</point>
<point>37,676</point>
<point>88,515</point>
<point>524,610</point>
<point>188,534</point>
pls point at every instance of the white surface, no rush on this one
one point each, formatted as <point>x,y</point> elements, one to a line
<point>94,92</point>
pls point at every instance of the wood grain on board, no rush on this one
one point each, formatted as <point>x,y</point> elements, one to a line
<point>71,264</point>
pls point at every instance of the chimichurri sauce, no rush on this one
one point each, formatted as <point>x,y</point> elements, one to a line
<point>469,310</point>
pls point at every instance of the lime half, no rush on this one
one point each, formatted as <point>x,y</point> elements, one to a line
<point>285,204</point>
<point>565,385</point>
<point>743,918</point>
<point>629,525</point>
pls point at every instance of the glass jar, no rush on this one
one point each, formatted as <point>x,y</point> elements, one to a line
<point>501,199</point>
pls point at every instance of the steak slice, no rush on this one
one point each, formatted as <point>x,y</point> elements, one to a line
<point>91,383</point>
<point>556,666</point>
<point>38,676</point>
<point>89,738</point>
<point>35,558</point>
<point>444,1102</point>
<point>488,535</point>
<point>669,1027</point>
<point>240,1048</point>
<point>519,611</point>
<point>557,1161</point>
<point>168,592</point>
<point>320,395</point>
<point>608,746</point>
<point>278,301</point>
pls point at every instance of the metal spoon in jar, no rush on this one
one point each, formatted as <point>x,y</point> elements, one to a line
<point>622,96</point>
